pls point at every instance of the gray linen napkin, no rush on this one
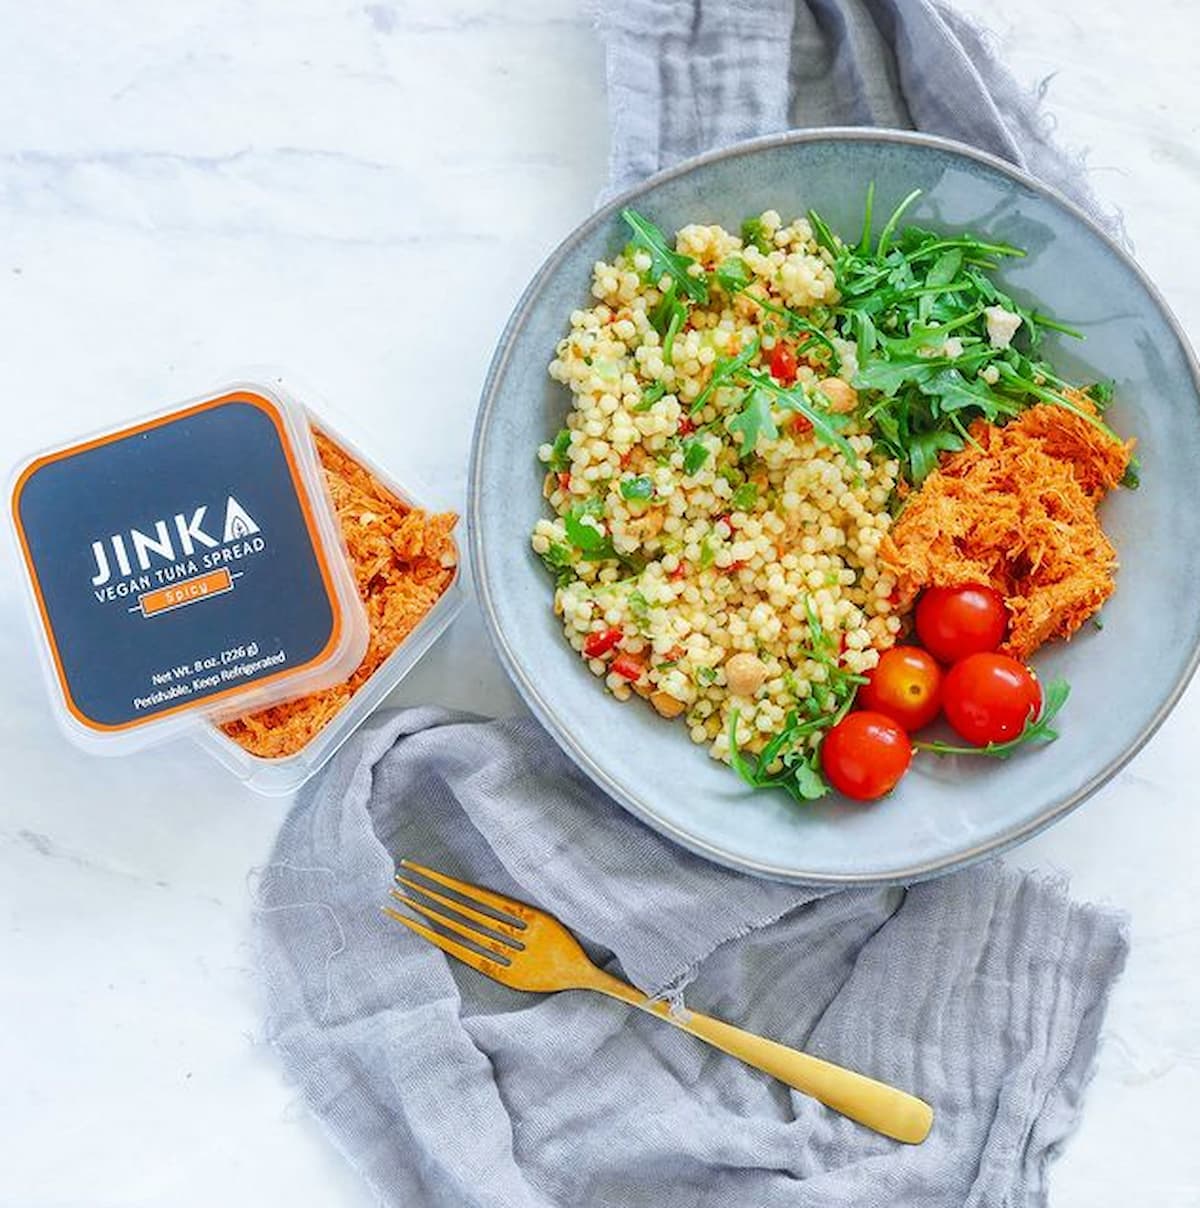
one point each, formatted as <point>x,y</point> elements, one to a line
<point>983,991</point>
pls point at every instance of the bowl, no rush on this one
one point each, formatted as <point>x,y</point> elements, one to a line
<point>946,812</point>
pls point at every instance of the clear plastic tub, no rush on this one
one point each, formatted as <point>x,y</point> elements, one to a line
<point>188,567</point>
<point>276,777</point>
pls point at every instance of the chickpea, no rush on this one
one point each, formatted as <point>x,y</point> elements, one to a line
<point>666,704</point>
<point>842,397</point>
<point>745,673</point>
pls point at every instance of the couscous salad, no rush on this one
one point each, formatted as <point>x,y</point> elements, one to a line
<point>790,459</point>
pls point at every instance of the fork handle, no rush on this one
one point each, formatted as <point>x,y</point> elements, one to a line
<point>887,1110</point>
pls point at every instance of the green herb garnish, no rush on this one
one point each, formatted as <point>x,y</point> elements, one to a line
<point>753,232</point>
<point>559,451</point>
<point>650,395</point>
<point>744,498</point>
<point>593,543</point>
<point>695,454</point>
<point>557,560</point>
<point>639,488</point>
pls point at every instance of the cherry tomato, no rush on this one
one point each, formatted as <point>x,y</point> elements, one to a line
<point>989,698</point>
<point>783,364</point>
<point>629,666</point>
<point>906,686</point>
<point>865,755</point>
<point>601,643</point>
<point>953,622</point>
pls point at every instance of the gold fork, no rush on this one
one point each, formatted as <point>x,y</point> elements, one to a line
<point>527,949</point>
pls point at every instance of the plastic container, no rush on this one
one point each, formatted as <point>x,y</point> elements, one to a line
<point>188,567</point>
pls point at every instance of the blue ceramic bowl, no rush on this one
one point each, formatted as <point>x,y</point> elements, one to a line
<point>1124,679</point>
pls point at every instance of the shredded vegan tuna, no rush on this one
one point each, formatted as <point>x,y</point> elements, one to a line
<point>1018,513</point>
<point>403,561</point>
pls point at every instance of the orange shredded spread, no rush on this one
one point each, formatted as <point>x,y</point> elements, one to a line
<point>1019,514</point>
<point>403,560</point>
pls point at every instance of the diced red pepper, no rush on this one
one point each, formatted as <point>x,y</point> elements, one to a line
<point>564,479</point>
<point>686,427</point>
<point>629,665</point>
<point>679,571</point>
<point>783,364</point>
<point>801,424</point>
<point>727,518</point>
<point>736,566</point>
<point>625,459</point>
<point>599,644</point>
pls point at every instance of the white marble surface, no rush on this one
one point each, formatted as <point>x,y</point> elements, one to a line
<point>189,187</point>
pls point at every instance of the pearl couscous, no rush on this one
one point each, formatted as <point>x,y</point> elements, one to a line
<point>695,569</point>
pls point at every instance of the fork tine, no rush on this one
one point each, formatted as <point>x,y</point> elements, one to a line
<point>498,947</point>
<point>445,943</point>
<point>513,909</point>
<point>484,920</point>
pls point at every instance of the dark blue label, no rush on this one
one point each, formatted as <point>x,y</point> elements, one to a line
<point>175,563</point>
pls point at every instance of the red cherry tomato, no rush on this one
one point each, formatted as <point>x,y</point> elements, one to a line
<point>783,364</point>
<point>865,755</point>
<point>629,666</point>
<point>953,622</point>
<point>906,686</point>
<point>601,643</point>
<point>989,698</point>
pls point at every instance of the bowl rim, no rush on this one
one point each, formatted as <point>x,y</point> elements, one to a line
<point>543,710</point>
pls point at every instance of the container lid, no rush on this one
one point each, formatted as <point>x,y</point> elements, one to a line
<point>187,563</point>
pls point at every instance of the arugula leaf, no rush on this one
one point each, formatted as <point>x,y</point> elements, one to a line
<point>887,376</point>
<point>725,369</point>
<point>923,450</point>
<point>559,459</point>
<point>1101,393</point>
<point>826,425</point>
<point>955,392</point>
<point>1038,729</point>
<point>885,236</point>
<point>641,487</point>
<point>695,454</point>
<point>753,232</point>
<point>945,267</point>
<point>754,420</point>
<point>864,240</point>
<point>667,316</point>
<point>664,259</point>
